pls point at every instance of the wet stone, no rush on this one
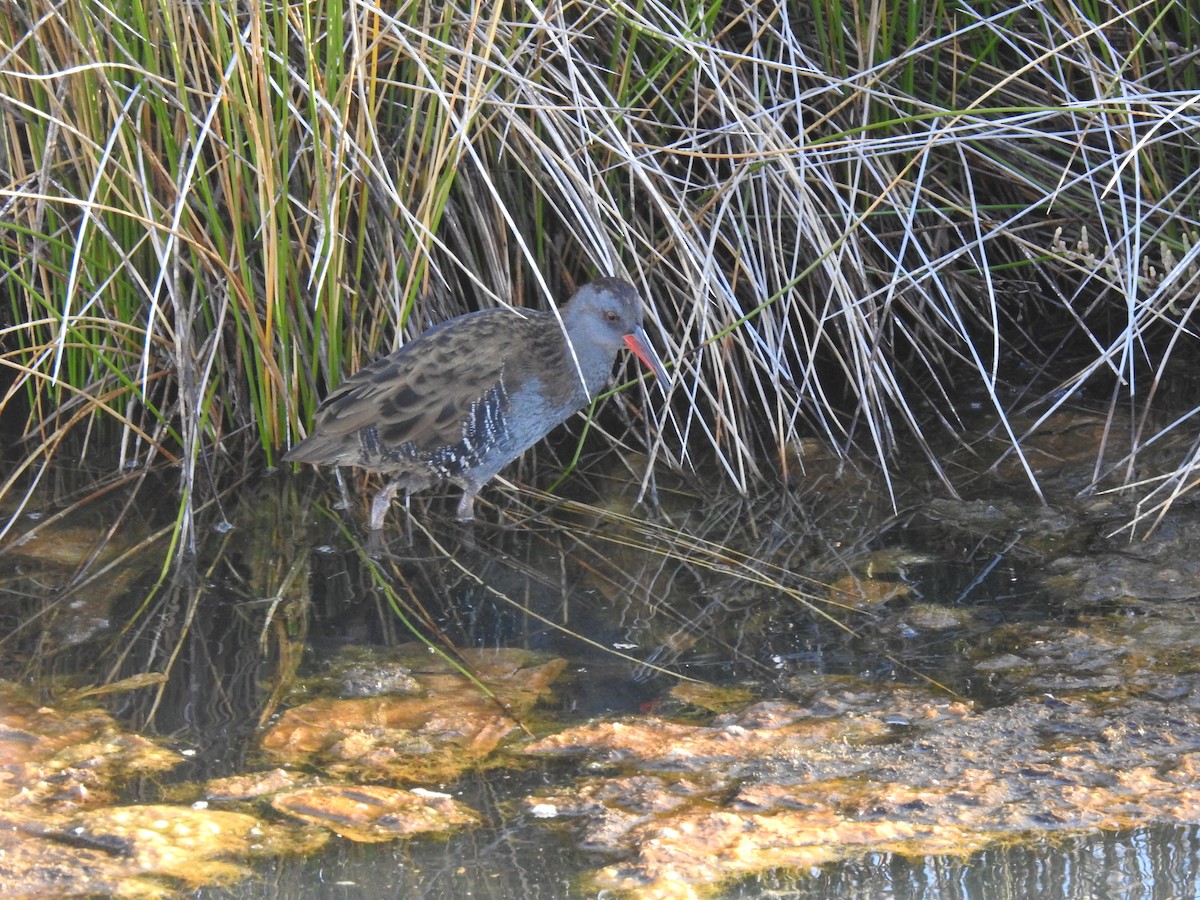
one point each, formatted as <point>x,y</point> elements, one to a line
<point>365,681</point>
<point>369,672</point>
<point>252,785</point>
<point>370,813</point>
<point>1113,579</point>
<point>61,770</point>
<point>774,786</point>
<point>928,617</point>
<point>432,734</point>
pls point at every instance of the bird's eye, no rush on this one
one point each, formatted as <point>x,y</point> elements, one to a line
<point>611,316</point>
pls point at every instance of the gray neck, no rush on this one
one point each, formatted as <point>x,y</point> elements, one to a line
<point>594,360</point>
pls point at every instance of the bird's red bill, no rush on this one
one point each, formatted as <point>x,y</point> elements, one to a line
<point>642,349</point>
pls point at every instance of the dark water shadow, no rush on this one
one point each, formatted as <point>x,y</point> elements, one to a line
<point>1156,863</point>
<point>711,587</point>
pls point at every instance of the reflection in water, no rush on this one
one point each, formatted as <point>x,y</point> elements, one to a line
<point>1162,862</point>
<point>719,590</point>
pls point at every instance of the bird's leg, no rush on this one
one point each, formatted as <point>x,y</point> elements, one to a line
<point>376,546</point>
<point>466,518</point>
<point>341,480</point>
<point>466,506</point>
<point>379,506</point>
<point>408,517</point>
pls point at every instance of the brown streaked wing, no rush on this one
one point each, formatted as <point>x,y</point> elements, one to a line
<point>411,395</point>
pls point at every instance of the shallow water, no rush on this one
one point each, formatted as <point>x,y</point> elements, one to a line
<point>937,600</point>
<point>1161,862</point>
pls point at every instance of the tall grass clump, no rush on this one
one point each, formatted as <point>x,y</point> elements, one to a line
<point>850,220</point>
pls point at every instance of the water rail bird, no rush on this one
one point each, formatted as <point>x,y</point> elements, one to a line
<point>470,395</point>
